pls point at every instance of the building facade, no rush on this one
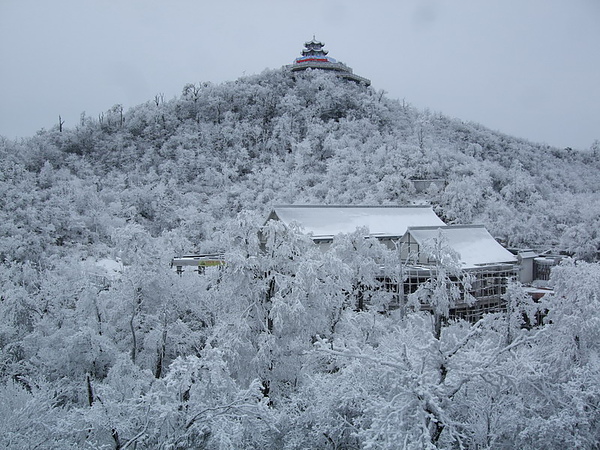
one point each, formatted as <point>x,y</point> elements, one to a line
<point>486,267</point>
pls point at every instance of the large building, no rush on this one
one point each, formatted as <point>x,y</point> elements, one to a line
<point>314,56</point>
<point>489,266</point>
<point>409,230</point>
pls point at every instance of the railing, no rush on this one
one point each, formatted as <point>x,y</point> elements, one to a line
<point>199,262</point>
<point>343,70</point>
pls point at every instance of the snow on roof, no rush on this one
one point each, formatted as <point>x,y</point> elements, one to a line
<point>313,41</point>
<point>527,254</point>
<point>474,243</point>
<point>382,221</point>
<point>110,269</point>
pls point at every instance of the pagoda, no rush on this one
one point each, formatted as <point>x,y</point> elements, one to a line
<point>315,57</point>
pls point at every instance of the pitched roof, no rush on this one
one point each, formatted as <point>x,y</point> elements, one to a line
<point>382,221</point>
<point>474,243</point>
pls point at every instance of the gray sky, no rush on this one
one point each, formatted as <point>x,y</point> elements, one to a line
<point>529,68</point>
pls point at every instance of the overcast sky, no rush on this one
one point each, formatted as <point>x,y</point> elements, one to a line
<point>528,68</point>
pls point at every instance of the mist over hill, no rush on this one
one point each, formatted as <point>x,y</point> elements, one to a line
<point>103,344</point>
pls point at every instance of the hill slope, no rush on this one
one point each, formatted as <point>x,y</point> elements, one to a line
<point>269,350</point>
<point>191,162</point>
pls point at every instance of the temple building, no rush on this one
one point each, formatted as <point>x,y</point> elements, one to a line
<point>407,229</point>
<point>315,57</point>
<point>487,266</point>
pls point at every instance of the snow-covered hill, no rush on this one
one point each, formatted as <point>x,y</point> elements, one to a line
<point>272,139</point>
<point>268,351</point>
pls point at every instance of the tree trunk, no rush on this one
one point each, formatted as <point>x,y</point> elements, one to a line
<point>133,339</point>
<point>90,391</point>
<point>161,349</point>
<point>136,305</point>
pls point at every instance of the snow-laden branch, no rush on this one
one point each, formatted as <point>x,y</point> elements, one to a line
<point>321,346</point>
<point>139,435</point>
<point>237,404</point>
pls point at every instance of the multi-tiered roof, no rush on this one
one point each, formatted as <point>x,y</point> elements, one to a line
<point>315,57</point>
<point>314,52</point>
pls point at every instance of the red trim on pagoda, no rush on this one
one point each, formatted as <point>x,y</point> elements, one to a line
<point>311,60</point>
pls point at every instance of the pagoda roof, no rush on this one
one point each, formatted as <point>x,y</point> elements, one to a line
<point>308,51</point>
<point>314,42</point>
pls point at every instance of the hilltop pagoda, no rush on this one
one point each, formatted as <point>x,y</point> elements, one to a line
<point>315,57</point>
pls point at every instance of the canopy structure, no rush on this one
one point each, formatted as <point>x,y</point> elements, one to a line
<point>324,222</point>
<point>473,243</point>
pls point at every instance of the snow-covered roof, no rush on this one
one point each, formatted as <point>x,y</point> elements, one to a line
<point>313,41</point>
<point>527,254</point>
<point>473,243</point>
<point>382,221</point>
<point>104,270</point>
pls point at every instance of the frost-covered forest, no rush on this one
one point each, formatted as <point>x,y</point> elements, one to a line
<point>269,351</point>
